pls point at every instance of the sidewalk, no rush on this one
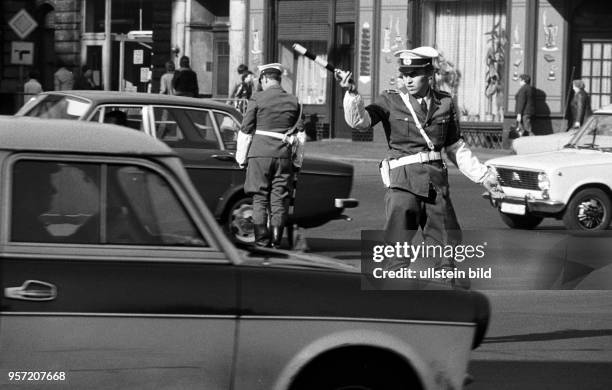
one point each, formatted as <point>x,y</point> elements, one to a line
<point>354,151</point>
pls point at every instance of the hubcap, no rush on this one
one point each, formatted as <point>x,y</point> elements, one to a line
<point>590,213</point>
<point>242,223</point>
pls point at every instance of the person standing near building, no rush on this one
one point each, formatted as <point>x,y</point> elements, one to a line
<point>165,83</point>
<point>419,122</point>
<point>525,104</point>
<point>32,87</point>
<point>580,106</point>
<point>85,80</point>
<point>270,144</point>
<point>63,79</point>
<point>185,80</point>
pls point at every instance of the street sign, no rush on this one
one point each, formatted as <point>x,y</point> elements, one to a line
<point>22,53</point>
<point>22,23</point>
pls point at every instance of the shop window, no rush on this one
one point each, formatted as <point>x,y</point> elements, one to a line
<point>471,39</point>
<point>597,71</point>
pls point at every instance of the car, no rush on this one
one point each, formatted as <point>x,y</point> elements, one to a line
<point>573,184</point>
<point>203,133</point>
<point>116,275</point>
<point>551,142</point>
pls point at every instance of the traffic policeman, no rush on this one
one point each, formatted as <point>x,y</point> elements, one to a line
<point>270,144</point>
<point>419,122</point>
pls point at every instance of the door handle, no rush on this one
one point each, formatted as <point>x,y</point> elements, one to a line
<point>32,290</point>
<point>224,157</point>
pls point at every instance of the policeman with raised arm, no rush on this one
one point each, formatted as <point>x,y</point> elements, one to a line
<point>419,122</point>
<point>270,144</point>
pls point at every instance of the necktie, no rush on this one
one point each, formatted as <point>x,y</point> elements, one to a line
<point>424,105</point>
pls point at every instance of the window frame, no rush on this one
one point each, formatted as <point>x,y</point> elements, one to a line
<point>102,109</point>
<point>209,111</point>
<point>212,253</point>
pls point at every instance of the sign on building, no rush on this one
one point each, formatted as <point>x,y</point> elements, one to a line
<point>22,53</point>
<point>138,57</point>
<point>22,23</point>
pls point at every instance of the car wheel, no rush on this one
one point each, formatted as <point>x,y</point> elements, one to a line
<point>526,221</point>
<point>239,222</point>
<point>589,209</point>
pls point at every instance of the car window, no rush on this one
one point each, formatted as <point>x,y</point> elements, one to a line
<point>597,133</point>
<point>58,202</point>
<point>228,127</point>
<point>59,107</point>
<point>129,116</point>
<point>187,128</point>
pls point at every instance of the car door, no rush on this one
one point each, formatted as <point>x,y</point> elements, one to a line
<point>193,134</point>
<point>110,278</point>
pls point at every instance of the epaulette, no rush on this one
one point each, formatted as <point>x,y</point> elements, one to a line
<point>392,91</point>
<point>443,93</point>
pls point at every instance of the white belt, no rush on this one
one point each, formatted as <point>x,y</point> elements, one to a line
<point>423,157</point>
<point>281,136</point>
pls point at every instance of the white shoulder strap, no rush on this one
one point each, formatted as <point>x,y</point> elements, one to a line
<point>292,130</point>
<point>406,100</point>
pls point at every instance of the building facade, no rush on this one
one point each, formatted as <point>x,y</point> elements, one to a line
<point>485,46</point>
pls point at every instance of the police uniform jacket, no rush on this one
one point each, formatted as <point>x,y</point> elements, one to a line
<point>405,139</point>
<point>271,110</point>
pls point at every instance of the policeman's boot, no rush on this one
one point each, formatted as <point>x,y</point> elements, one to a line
<point>262,235</point>
<point>277,236</point>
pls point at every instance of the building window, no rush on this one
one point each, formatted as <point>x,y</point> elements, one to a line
<point>471,36</point>
<point>597,71</point>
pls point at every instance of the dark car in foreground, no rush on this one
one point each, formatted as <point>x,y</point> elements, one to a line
<point>203,133</point>
<point>116,275</point>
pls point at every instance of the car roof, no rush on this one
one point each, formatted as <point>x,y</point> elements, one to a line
<point>101,97</point>
<point>61,135</point>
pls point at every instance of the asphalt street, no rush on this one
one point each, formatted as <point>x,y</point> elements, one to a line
<point>538,338</point>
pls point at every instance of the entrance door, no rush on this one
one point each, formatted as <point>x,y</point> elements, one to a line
<point>221,66</point>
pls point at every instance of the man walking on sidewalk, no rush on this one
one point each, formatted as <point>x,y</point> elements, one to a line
<point>269,144</point>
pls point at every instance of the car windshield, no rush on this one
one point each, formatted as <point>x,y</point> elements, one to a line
<point>58,107</point>
<point>595,134</point>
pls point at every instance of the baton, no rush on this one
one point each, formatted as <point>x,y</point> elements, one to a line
<point>317,60</point>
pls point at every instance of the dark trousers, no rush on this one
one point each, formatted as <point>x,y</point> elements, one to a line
<point>434,214</point>
<point>270,181</point>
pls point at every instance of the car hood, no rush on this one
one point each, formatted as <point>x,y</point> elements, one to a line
<point>542,143</point>
<point>548,161</point>
<point>267,257</point>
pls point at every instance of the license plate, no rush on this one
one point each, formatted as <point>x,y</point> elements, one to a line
<point>513,208</point>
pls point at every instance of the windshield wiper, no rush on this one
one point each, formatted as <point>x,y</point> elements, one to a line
<point>590,146</point>
<point>569,146</point>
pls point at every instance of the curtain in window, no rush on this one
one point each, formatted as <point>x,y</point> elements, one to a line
<point>311,81</point>
<point>461,28</point>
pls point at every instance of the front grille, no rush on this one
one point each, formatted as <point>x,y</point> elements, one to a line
<point>515,178</point>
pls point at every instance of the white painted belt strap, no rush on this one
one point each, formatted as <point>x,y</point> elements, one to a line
<point>406,100</point>
<point>422,157</point>
<point>272,134</point>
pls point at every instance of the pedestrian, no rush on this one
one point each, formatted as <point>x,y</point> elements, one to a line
<point>580,106</point>
<point>185,80</point>
<point>270,144</point>
<point>165,83</point>
<point>63,79</point>
<point>85,80</point>
<point>419,122</point>
<point>242,71</point>
<point>525,104</point>
<point>32,87</point>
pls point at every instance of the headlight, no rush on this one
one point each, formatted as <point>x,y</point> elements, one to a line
<point>543,182</point>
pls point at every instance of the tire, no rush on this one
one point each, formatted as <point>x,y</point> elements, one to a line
<point>239,222</point>
<point>526,221</point>
<point>589,209</point>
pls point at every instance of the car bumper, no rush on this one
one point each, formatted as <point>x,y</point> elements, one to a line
<point>535,206</point>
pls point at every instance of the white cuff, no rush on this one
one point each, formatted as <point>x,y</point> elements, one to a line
<point>468,164</point>
<point>355,113</point>
<point>243,143</point>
